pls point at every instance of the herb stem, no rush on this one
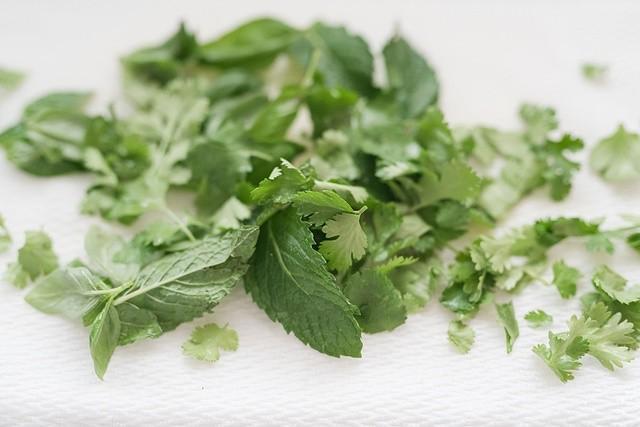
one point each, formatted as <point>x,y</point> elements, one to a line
<point>176,219</point>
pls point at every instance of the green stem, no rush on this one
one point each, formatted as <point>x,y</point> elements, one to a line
<point>183,227</point>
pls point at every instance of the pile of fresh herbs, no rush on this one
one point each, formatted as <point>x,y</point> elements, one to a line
<point>331,196</point>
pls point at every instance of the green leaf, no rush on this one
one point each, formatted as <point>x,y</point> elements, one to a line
<point>417,283</point>
<point>615,286</point>
<point>69,292</point>
<point>136,324</point>
<point>194,279</point>
<point>163,62</point>
<point>49,139</point>
<point>281,187</point>
<point>231,214</point>
<point>289,280</point>
<point>565,278</point>
<point>507,318</point>
<point>600,243</point>
<point>101,248</point>
<point>5,237</point>
<point>320,206</point>
<point>539,121</point>
<point>380,304</point>
<point>538,319</point>
<point>633,240</point>
<point>10,79</point>
<point>461,336</point>
<point>35,258</point>
<point>207,341</point>
<point>253,43</point>
<point>344,62</point>
<point>412,81</point>
<point>346,241</point>
<point>457,181</point>
<point>594,72</point>
<point>103,338</point>
<point>617,157</point>
<point>558,170</point>
<point>330,108</point>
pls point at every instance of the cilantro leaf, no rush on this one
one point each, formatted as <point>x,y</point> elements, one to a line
<point>207,341</point>
<point>615,286</point>
<point>346,241</point>
<point>289,280</point>
<point>457,181</point>
<point>539,121</point>
<point>507,318</point>
<point>599,333</point>
<point>320,206</point>
<point>594,72</point>
<point>461,336</point>
<point>380,304</point>
<point>538,319</point>
<point>565,278</point>
<point>617,157</point>
<point>412,81</point>
<point>10,79</point>
<point>5,237</point>
<point>35,258</point>
<point>282,186</point>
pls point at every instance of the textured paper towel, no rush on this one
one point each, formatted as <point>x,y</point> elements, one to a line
<point>490,56</point>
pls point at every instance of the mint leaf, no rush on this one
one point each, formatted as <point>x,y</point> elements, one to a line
<point>507,318</point>
<point>565,278</point>
<point>102,248</point>
<point>346,241</point>
<point>103,338</point>
<point>289,280</point>
<point>195,279</point>
<point>251,44</point>
<point>136,324</point>
<point>207,341</point>
<point>380,304</point>
<point>461,336</point>
<point>70,292</point>
<point>344,59</point>
<point>411,80</point>
<point>617,157</point>
<point>538,319</point>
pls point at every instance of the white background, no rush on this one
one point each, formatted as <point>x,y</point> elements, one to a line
<point>490,56</point>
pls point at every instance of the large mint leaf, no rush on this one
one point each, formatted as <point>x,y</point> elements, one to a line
<point>289,280</point>
<point>184,285</point>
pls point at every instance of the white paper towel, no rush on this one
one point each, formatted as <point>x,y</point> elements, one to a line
<point>490,56</point>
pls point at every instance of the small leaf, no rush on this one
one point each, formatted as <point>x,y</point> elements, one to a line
<point>565,278</point>
<point>348,241</point>
<point>507,318</point>
<point>461,336</point>
<point>538,319</point>
<point>207,341</point>
<point>103,339</point>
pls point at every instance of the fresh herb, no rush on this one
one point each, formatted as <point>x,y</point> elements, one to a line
<point>617,157</point>
<point>35,259</point>
<point>594,72</point>
<point>333,196</point>
<point>538,319</point>
<point>5,237</point>
<point>207,341</point>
